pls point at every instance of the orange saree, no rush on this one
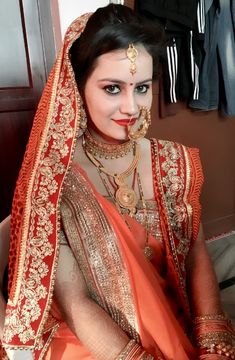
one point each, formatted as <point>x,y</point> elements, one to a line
<point>134,291</point>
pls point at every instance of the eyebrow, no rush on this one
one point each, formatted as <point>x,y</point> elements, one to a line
<point>117,81</point>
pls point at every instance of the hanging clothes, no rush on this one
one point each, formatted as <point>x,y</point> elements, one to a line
<point>184,22</point>
<point>217,73</point>
<point>181,12</point>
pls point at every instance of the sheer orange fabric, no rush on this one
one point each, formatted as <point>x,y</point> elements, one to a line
<point>159,325</point>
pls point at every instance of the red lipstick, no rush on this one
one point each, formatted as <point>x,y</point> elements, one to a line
<point>125,122</point>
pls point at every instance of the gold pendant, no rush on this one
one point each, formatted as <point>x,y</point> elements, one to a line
<point>148,252</point>
<point>126,198</point>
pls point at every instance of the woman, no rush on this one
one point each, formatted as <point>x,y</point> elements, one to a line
<point>107,256</point>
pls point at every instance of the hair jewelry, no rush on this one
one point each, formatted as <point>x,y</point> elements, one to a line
<point>131,54</point>
<point>143,128</point>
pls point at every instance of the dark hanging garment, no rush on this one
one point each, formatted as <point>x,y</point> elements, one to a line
<point>217,73</point>
<point>182,12</point>
<point>184,23</point>
<point>233,13</point>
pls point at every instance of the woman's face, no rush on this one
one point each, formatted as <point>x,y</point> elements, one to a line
<point>113,95</point>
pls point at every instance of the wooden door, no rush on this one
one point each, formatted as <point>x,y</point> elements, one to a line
<point>26,55</point>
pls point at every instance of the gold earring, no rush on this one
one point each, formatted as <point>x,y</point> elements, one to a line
<point>131,54</point>
<point>83,118</point>
<point>143,128</point>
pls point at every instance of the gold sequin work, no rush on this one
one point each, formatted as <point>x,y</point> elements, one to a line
<point>153,219</point>
<point>95,246</point>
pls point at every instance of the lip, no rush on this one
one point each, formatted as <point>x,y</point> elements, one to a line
<point>125,122</point>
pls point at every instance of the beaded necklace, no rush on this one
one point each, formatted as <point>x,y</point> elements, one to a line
<point>104,150</point>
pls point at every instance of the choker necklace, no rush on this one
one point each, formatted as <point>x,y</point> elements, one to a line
<point>104,150</point>
<point>125,196</point>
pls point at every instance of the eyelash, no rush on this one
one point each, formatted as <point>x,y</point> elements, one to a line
<point>110,89</point>
<point>145,86</point>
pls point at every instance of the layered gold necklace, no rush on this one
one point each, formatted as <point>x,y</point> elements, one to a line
<point>107,151</point>
<point>124,196</point>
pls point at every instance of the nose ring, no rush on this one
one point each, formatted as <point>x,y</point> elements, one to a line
<point>130,119</point>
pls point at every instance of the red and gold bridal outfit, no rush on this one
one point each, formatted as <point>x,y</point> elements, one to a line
<point>140,301</point>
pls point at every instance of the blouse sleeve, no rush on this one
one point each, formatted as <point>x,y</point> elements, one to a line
<point>197,178</point>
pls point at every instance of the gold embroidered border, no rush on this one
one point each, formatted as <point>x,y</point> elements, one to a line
<point>95,246</point>
<point>41,222</point>
<point>188,183</point>
<point>174,183</point>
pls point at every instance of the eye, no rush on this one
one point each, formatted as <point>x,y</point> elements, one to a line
<point>112,89</point>
<point>142,89</point>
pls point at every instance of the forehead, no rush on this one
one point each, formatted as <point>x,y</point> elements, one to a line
<point>115,64</point>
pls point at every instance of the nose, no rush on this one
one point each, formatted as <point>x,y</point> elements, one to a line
<point>128,104</point>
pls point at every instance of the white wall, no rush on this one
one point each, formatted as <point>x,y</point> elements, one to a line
<point>71,9</point>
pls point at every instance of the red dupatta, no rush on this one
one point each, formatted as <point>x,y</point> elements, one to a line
<point>178,178</point>
<point>35,212</point>
<point>36,206</point>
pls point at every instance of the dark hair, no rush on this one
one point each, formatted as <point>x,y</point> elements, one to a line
<point>111,28</point>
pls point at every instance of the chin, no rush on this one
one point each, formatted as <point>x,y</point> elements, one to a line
<point>115,138</point>
<point>120,138</point>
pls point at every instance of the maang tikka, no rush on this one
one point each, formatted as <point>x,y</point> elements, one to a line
<point>131,54</point>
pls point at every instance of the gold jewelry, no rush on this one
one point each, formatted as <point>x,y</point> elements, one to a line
<point>134,351</point>
<point>214,334</point>
<point>104,150</point>
<point>220,316</point>
<point>131,54</point>
<point>145,117</point>
<point>226,350</point>
<point>125,196</point>
<point>148,250</point>
<point>83,118</point>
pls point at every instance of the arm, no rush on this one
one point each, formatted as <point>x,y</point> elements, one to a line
<point>4,250</point>
<point>89,322</point>
<point>202,282</point>
<point>212,330</point>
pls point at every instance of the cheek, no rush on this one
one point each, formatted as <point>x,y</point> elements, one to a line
<point>100,110</point>
<point>147,100</point>
<point>150,101</point>
<point>98,103</point>
<point>150,97</point>
<point>107,105</point>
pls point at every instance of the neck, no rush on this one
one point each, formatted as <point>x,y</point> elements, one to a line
<point>103,138</point>
<point>101,147</point>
